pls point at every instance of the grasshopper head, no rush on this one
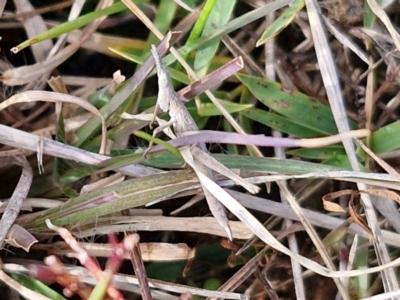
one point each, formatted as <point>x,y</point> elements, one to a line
<point>164,82</point>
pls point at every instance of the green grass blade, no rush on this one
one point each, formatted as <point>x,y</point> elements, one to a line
<point>72,25</point>
<point>287,166</point>
<point>280,123</point>
<point>320,153</point>
<point>127,194</point>
<point>227,28</point>
<point>209,109</point>
<point>220,14</point>
<point>176,75</point>
<point>281,22</point>
<point>362,284</point>
<point>157,141</point>
<point>386,138</point>
<point>369,16</point>
<point>201,20</point>
<point>294,106</point>
<point>37,286</point>
<point>118,161</point>
<point>166,12</point>
<point>246,123</point>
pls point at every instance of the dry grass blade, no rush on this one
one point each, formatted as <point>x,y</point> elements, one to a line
<point>29,203</point>
<point>131,85</point>
<point>26,74</point>
<point>108,181</point>
<point>381,180</point>
<point>2,5</point>
<point>250,66</point>
<point>316,219</point>
<point>212,79</point>
<point>31,96</point>
<point>208,136</point>
<point>331,83</point>
<point>19,237</point>
<point>314,237</point>
<point>243,215</point>
<point>76,10</point>
<point>138,267</point>
<point>182,121</point>
<point>357,218</point>
<point>177,288</point>
<point>34,25</point>
<point>19,195</point>
<point>380,13</point>
<point>240,276</point>
<point>332,207</point>
<point>345,40</point>
<point>213,164</point>
<point>380,161</point>
<point>384,296</point>
<point>150,251</point>
<point>303,87</point>
<point>127,282</point>
<point>205,225</point>
<point>135,10</point>
<point>23,140</point>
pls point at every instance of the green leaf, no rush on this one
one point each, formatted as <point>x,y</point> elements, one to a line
<point>212,284</point>
<point>209,109</point>
<point>219,15</point>
<point>286,166</point>
<point>137,59</point>
<point>37,286</point>
<point>227,127</point>
<point>87,131</point>
<point>60,165</point>
<point>319,153</point>
<point>296,106</point>
<point>71,25</point>
<point>234,24</point>
<point>280,123</point>
<point>120,160</point>
<point>189,3</point>
<point>369,16</point>
<point>281,22</point>
<point>386,138</point>
<point>102,95</point>
<point>362,284</point>
<point>201,21</point>
<point>246,123</point>
<point>342,161</point>
<point>336,236</point>
<point>165,14</point>
<point>157,141</point>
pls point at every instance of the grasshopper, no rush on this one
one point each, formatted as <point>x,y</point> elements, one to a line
<point>183,123</point>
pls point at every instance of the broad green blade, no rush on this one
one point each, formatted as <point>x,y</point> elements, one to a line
<point>386,138</point>
<point>286,125</point>
<point>295,106</point>
<point>219,15</point>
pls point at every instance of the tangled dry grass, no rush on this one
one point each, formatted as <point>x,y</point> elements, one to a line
<point>265,76</point>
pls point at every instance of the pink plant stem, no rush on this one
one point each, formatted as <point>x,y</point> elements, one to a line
<point>209,136</point>
<point>84,258</point>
